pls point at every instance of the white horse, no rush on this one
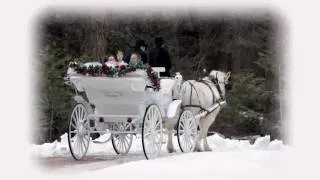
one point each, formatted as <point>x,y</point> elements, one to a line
<point>199,95</point>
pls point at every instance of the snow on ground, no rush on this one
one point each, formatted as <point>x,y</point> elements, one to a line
<point>251,164</point>
<point>217,143</point>
<point>230,159</point>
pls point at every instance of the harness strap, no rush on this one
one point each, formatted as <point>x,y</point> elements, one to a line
<point>215,82</point>
<point>193,87</point>
<point>198,106</point>
<point>204,82</point>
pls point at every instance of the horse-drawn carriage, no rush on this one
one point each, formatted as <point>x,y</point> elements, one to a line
<point>126,106</point>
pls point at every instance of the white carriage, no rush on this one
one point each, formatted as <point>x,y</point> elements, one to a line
<point>125,106</point>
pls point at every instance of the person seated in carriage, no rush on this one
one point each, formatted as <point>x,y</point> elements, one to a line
<point>140,49</point>
<point>120,60</point>
<point>111,61</point>
<point>114,61</point>
<point>135,58</point>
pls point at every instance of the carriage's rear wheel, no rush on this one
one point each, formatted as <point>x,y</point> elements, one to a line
<point>121,142</point>
<point>187,131</point>
<point>152,132</point>
<point>79,133</point>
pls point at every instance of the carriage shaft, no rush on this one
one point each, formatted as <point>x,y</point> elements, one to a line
<point>215,106</point>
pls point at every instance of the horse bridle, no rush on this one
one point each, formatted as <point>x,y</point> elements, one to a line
<point>217,80</point>
<point>217,83</point>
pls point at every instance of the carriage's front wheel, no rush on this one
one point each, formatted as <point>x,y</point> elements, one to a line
<point>79,134</point>
<point>121,141</point>
<point>187,131</point>
<point>152,132</point>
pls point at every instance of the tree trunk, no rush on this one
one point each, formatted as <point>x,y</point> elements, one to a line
<point>51,123</point>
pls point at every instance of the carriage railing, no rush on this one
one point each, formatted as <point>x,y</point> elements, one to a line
<point>158,70</point>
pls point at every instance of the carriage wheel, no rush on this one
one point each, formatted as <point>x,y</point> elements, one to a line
<point>79,134</point>
<point>152,132</point>
<point>121,142</point>
<point>187,131</point>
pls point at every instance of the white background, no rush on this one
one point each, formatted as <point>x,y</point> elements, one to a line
<point>302,56</point>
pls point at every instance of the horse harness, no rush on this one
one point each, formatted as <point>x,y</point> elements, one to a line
<point>213,99</point>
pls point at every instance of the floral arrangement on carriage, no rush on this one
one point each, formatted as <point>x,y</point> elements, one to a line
<point>117,71</point>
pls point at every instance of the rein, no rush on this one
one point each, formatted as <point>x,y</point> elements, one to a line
<point>217,83</point>
<point>204,82</point>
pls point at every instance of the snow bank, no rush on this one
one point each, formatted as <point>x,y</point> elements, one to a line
<point>217,143</point>
<point>230,159</point>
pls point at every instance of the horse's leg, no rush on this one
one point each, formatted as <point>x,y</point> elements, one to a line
<point>207,121</point>
<point>170,127</point>
<point>199,137</point>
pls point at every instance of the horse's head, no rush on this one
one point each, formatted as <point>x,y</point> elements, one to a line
<point>178,77</point>
<point>178,83</point>
<point>222,79</point>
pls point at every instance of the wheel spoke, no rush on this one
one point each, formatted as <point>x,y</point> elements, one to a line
<point>182,124</point>
<point>87,140</point>
<point>152,147</point>
<point>157,124</point>
<point>184,142</point>
<point>76,144</point>
<point>81,145</point>
<point>123,144</point>
<point>84,114</point>
<point>74,132</point>
<point>149,119</point>
<point>188,143</point>
<point>153,111</point>
<point>76,114</point>
<point>126,141</point>
<point>74,126</point>
<point>73,122</point>
<point>80,114</point>
<point>127,127</point>
<point>120,145</point>
<point>118,142</point>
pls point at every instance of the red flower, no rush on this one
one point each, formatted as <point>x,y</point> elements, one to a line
<point>84,72</point>
<point>122,67</point>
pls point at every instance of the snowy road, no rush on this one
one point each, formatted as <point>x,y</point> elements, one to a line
<point>55,157</point>
<point>229,159</point>
<point>89,163</point>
